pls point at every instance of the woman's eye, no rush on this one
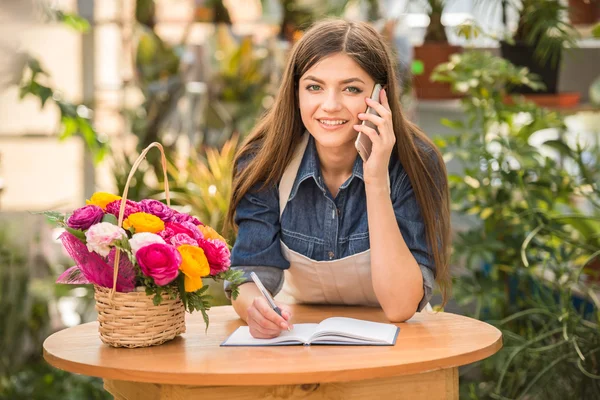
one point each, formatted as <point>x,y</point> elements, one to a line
<point>313,88</point>
<point>353,89</point>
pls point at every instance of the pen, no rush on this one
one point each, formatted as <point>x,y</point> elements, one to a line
<point>267,295</point>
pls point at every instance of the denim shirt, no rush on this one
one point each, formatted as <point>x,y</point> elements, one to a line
<point>322,227</point>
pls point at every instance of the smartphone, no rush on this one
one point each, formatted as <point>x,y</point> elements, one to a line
<point>363,143</point>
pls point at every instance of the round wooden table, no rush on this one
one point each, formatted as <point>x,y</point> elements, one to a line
<point>422,365</point>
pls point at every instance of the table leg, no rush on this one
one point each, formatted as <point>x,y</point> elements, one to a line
<point>441,384</point>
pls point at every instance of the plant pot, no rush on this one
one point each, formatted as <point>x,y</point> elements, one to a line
<point>584,12</point>
<point>432,55</point>
<point>559,100</point>
<point>522,55</point>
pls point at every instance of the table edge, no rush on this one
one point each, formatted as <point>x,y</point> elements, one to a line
<point>250,379</point>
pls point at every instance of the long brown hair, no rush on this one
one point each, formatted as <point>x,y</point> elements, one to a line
<point>273,140</point>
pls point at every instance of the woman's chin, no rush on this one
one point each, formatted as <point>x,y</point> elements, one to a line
<point>330,139</point>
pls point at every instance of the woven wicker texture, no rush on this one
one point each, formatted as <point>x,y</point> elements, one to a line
<point>132,320</point>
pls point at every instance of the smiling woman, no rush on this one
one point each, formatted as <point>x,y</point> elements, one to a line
<point>314,221</point>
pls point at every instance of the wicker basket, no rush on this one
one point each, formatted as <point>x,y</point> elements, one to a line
<point>131,319</point>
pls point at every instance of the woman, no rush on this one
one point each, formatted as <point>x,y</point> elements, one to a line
<point>316,222</point>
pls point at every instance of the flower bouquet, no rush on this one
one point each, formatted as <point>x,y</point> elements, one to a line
<point>146,262</point>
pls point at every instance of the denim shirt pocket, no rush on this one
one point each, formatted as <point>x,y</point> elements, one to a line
<point>298,242</point>
<point>358,242</point>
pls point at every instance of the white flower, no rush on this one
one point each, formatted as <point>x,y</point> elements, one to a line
<point>142,239</point>
<point>521,119</point>
<point>100,236</point>
<point>462,87</point>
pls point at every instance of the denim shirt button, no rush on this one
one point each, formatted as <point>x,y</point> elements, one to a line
<point>331,255</point>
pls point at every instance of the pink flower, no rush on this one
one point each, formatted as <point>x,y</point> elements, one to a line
<point>182,217</point>
<point>173,228</point>
<point>196,233</point>
<point>131,207</point>
<point>101,236</point>
<point>84,217</point>
<point>217,254</point>
<point>160,262</point>
<point>181,239</point>
<point>157,208</point>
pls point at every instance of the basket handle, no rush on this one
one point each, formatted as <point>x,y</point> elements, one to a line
<point>163,162</point>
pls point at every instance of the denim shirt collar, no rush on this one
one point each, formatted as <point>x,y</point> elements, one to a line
<point>310,167</point>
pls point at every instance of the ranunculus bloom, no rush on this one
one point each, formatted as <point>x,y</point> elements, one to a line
<point>142,239</point>
<point>196,233</point>
<point>144,222</point>
<point>101,236</point>
<point>217,254</point>
<point>181,239</point>
<point>194,266</point>
<point>101,199</point>
<point>182,217</point>
<point>210,233</point>
<point>131,207</point>
<point>157,208</point>
<point>172,229</point>
<point>84,217</point>
<point>160,262</point>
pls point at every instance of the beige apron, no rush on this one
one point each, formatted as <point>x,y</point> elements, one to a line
<point>346,281</point>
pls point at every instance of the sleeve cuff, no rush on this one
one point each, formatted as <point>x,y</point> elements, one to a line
<point>271,277</point>
<point>428,283</point>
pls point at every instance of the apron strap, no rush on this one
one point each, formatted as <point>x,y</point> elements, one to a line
<point>289,175</point>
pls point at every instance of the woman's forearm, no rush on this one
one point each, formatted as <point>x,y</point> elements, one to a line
<point>397,278</point>
<point>247,293</point>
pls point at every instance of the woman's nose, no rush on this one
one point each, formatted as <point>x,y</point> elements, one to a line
<point>331,103</point>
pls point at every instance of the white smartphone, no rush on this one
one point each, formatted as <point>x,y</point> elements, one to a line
<point>363,144</point>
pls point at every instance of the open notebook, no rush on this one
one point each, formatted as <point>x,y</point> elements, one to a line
<point>337,330</point>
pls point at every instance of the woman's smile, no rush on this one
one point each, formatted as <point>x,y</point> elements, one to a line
<point>332,124</point>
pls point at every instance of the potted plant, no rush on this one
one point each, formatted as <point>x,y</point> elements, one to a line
<point>584,12</point>
<point>434,51</point>
<point>538,41</point>
<point>528,242</point>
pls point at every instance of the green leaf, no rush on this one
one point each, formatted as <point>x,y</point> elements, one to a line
<point>77,233</point>
<point>157,299</point>
<point>454,124</point>
<point>44,94</point>
<point>35,66</point>
<point>596,30</point>
<point>486,212</point>
<point>110,218</point>
<point>182,292</point>
<point>69,127</point>
<point>53,216</point>
<point>74,21</point>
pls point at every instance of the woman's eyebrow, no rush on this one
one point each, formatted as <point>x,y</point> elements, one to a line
<point>349,80</point>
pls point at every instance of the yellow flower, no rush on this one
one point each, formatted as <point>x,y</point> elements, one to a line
<point>210,233</point>
<point>101,199</point>
<point>194,266</point>
<point>144,222</point>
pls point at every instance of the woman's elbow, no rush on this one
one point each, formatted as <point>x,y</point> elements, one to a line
<point>398,314</point>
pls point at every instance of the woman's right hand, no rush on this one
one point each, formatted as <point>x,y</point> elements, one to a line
<point>264,323</point>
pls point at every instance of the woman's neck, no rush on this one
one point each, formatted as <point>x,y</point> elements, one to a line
<point>336,165</point>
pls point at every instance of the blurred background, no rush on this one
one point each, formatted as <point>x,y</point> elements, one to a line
<point>508,89</point>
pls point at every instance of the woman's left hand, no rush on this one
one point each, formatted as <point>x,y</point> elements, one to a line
<point>375,170</point>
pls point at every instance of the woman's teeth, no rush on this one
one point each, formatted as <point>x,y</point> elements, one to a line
<point>339,122</point>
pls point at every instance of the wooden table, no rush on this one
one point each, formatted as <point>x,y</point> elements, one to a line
<point>422,365</point>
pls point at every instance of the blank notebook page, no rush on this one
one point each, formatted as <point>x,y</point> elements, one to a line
<point>359,328</point>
